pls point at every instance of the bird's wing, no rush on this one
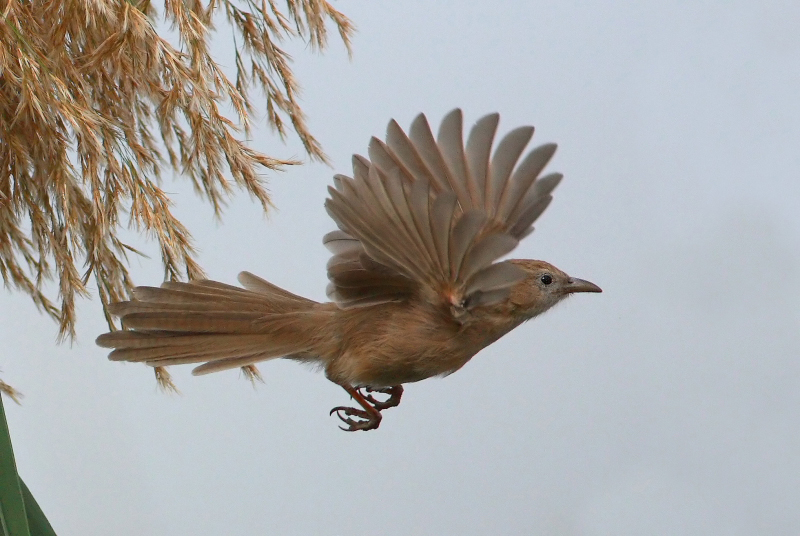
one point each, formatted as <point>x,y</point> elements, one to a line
<point>429,216</point>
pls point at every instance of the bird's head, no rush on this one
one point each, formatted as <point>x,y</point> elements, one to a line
<point>543,287</point>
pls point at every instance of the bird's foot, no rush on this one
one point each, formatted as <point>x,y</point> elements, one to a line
<point>395,393</point>
<point>366,420</point>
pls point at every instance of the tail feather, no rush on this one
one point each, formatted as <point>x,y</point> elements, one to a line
<point>140,339</point>
<point>245,361</point>
<point>205,286</point>
<point>214,323</point>
<point>199,295</point>
<point>176,344</point>
<point>192,321</point>
<point>170,294</point>
<point>253,283</point>
<point>122,309</point>
<point>225,364</point>
<point>196,354</point>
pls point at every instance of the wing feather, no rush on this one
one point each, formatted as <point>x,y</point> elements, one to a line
<point>498,276</point>
<point>485,251</point>
<point>404,151</point>
<point>529,214</point>
<point>465,232</point>
<point>442,214</point>
<point>339,242</point>
<point>451,144</point>
<point>479,148</point>
<point>428,217</point>
<point>524,177</point>
<point>505,157</point>
<point>421,137</point>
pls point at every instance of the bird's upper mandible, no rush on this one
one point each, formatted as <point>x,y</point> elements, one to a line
<point>429,217</point>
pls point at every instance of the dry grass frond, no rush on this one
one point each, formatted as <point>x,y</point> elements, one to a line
<point>164,380</point>
<point>94,103</point>
<point>10,392</point>
<point>90,98</point>
<point>252,373</point>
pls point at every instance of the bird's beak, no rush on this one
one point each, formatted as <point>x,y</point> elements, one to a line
<point>580,285</point>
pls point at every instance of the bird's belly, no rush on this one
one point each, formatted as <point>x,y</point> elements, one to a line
<point>402,344</point>
<point>383,368</point>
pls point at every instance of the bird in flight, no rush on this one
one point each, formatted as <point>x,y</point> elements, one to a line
<point>415,287</point>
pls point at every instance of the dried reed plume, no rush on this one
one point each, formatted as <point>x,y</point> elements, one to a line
<point>94,104</point>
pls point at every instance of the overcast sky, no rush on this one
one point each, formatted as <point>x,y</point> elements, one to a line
<point>669,404</point>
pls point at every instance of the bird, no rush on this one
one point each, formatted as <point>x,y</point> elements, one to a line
<point>416,284</point>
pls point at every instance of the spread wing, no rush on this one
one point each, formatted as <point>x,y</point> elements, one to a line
<point>429,217</point>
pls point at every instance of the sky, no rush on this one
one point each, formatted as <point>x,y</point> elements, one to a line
<point>669,404</point>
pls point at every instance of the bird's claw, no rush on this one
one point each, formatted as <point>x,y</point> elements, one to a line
<point>395,393</point>
<point>368,418</point>
<point>370,421</point>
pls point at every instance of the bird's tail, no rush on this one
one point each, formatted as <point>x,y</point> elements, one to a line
<point>219,325</point>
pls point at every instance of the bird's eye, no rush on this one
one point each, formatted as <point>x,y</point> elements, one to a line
<point>546,279</point>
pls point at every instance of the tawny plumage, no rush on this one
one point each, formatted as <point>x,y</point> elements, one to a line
<point>415,287</point>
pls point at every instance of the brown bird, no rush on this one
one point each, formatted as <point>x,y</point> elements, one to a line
<point>415,288</point>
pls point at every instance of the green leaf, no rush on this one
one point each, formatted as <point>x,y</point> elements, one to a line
<point>36,521</point>
<point>13,518</point>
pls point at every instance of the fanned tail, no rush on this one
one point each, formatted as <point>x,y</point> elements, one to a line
<point>219,325</point>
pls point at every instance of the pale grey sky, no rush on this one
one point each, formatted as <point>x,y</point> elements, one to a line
<point>669,404</point>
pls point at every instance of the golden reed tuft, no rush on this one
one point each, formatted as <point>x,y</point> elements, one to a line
<point>95,104</point>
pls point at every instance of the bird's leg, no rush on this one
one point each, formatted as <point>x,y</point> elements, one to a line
<point>371,417</point>
<point>395,393</point>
